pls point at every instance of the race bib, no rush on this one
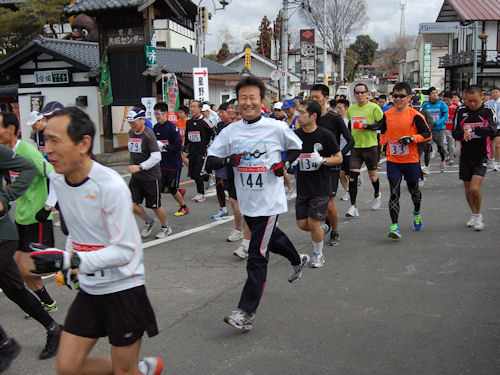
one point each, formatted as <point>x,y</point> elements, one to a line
<point>305,163</point>
<point>135,145</point>
<point>194,136</point>
<point>358,122</point>
<point>252,178</point>
<point>13,175</point>
<point>397,148</point>
<point>435,117</point>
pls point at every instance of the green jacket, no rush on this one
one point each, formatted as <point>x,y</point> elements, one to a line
<point>9,161</point>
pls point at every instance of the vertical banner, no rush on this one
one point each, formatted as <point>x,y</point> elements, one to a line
<point>248,58</point>
<point>149,103</point>
<point>36,102</point>
<point>307,59</point>
<point>427,65</point>
<point>150,50</point>
<point>105,81</point>
<point>171,95</point>
<point>200,84</point>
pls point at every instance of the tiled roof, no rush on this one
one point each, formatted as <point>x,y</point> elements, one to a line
<point>8,2</point>
<point>180,61</point>
<point>470,10</point>
<point>80,6</point>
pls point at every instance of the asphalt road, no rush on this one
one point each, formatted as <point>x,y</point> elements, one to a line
<point>427,304</point>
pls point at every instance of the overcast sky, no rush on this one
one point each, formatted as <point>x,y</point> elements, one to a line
<point>384,17</point>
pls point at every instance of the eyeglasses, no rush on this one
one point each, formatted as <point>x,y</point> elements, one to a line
<point>158,113</point>
<point>277,109</point>
<point>399,96</point>
<point>359,92</point>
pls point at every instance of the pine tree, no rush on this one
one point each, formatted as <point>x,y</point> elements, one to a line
<point>265,38</point>
<point>223,53</point>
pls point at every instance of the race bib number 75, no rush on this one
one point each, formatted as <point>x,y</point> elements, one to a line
<point>252,178</point>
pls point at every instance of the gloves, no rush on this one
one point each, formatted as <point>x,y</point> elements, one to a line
<point>316,158</point>
<point>278,169</point>
<point>185,149</point>
<point>68,278</point>
<point>405,140</point>
<point>164,147</point>
<point>43,214</point>
<point>234,159</point>
<point>49,259</point>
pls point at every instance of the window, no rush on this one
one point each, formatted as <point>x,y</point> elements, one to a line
<point>297,67</point>
<point>468,43</point>
<point>454,46</point>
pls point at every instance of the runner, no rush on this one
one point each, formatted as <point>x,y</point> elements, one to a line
<point>362,115</point>
<point>254,146</point>
<point>10,279</point>
<point>473,123</point>
<point>39,126</point>
<point>146,174</point>
<point>170,145</point>
<point>450,141</point>
<point>439,113</point>
<point>106,249</point>
<point>181,125</point>
<point>196,142</point>
<point>416,104</point>
<point>333,122</point>
<point>403,127</point>
<point>342,107</point>
<point>30,226</point>
<point>319,152</point>
<point>494,103</point>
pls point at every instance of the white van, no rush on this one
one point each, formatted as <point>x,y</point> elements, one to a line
<point>342,90</point>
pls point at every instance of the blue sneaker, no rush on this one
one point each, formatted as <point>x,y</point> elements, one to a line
<point>394,232</point>
<point>220,215</point>
<point>417,221</point>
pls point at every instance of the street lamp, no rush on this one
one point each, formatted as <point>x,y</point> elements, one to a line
<point>197,24</point>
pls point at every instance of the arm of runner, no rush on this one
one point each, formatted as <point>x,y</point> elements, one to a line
<point>335,159</point>
<point>382,125</point>
<point>424,133</point>
<point>490,130</point>
<point>347,136</point>
<point>175,141</point>
<point>444,115</point>
<point>27,171</point>
<point>153,159</point>
<point>457,132</point>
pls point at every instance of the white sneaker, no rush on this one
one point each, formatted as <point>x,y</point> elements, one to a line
<point>479,223</point>
<point>289,193</point>
<point>421,183</point>
<point>352,212</point>
<point>443,166</point>
<point>471,221</point>
<point>317,260</point>
<point>376,202</point>
<point>236,235</point>
<point>360,180</point>
<point>199,198</point>
<point>151,365</point>
<point>241,252</point>
<point>164,232</point>
<point>148,228</point>
<point>490,165</point>
<point>425,170</point>
<point>296,271</point>
<point>345,197</point>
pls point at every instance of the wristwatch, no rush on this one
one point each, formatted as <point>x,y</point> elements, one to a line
<point>140,167</point>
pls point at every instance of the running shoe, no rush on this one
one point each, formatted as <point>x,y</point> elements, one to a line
<point>443,166</point>
<point>199,198</point>
<point>151,365</point>
<point>490,165</point>
<point>240,319</point>
<point>425,170</point>
<point>241,252</point>
<point>296,271</point>
<point>220,215</point>
<point>479,223</point>
<point>421,183</point>
<point>236,235</point>
<point>52,344</point>
<point>376,202</point>
<point>451,163</point>
<point>317,260</point>
<point>345,197</point>
<point>352,212</point>
<point>164,232</point>
<point>334,239</point>
<point>49,308</point>
<point>360,180</point>
<point>433,154</point>
<point>394,232</point>
<point>326,227</point>
<point>8,354</point>
<point>289,192</point>
<point>471,222</point>
<point>148,228</point>
<point>417,222</point>
<point>182,211</point>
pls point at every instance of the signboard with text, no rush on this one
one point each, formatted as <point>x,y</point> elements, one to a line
<point>307,59</point>
<point>200,84</point>
<point>51,77</point>
<point>132,36</point>
<point>439,28</point>
<point>427,65</point>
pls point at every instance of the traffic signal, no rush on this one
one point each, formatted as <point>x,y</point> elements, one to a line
<point>204,20</point>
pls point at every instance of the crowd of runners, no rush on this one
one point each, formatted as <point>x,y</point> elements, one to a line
<point>255,158</point>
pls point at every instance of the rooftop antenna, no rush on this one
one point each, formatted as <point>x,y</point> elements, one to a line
<point>402,25</point>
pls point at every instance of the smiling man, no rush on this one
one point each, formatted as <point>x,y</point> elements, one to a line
<point>254,146</point>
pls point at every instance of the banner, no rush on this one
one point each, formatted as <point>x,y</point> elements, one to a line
<point>427,65</point>
<point>150,50</point>
<point>171,95</point>
<point>248,58</point>
<point>105,81</point>
<point>307,59</point>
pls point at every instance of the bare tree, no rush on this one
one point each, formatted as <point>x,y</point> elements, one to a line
<point>347,13</point>
<point>233,41</point>
<point>394,49</point>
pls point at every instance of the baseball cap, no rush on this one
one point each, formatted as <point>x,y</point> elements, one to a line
<point>287,104</point>
<point>50,108</point>
<point>34,117</point>
<point>278,105</point>
<point>205,107</point>
<point>135,114</point>
<point>415,101</point>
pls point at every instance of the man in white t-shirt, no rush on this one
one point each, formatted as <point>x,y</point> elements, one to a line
<point>253,147</point>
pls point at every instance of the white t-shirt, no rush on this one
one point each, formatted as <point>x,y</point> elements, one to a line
<point>102,229</point>
<point>259,191</point>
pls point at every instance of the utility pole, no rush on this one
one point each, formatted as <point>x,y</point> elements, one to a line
<point>474,64</point>
<point>284,51</point>
<point>402,25</point>
<point>325,35</point>
<point>342,50</point>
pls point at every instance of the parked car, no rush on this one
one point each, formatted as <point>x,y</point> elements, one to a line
<point>342,90</point>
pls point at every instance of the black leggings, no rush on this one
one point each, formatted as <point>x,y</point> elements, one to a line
<point>416,197</point>
<point>220,188</point>
<point>195,169</point>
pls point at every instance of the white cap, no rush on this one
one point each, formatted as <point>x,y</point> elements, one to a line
<point>278,105</point>
<point>33,117</point>
<point>135,114</point>
<point>205,107</point>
